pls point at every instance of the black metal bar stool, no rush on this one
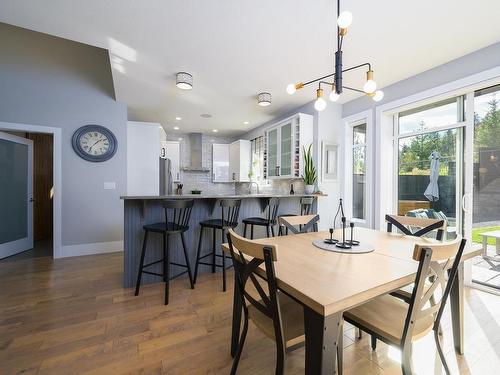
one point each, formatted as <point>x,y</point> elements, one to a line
<point>306,204</point>
<point>180,211</point>
<point>269,221</point>
<point>230,210</point>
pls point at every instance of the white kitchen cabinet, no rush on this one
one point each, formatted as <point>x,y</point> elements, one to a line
<point>173,152</point>
<point>220,162</point>
<point>239,161</point>
<point>285,142</point>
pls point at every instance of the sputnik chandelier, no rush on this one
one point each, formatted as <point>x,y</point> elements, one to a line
<point>344,20</point>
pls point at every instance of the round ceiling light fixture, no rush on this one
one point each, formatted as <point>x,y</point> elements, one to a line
<point>184,81</point>
<point>264,99</point>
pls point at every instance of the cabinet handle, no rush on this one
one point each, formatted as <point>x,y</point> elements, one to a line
<point>213,176</point>
<point>178,176</point>
<point>277,170</point>
<point>163,152</point>
<point>234,178</point>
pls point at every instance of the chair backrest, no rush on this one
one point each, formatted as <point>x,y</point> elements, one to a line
<point>407,224</point>
<point>306,205</point>
<point>304,222</point>
<point>247,257</point>
<point>273,205</point>
<point>230,210</point>
<point>178,211</point>
<point>435,260</point>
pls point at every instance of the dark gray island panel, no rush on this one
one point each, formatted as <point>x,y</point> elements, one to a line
<point>141,210</point>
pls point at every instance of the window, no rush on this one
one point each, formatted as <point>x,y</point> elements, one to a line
<point>435,115</point>
<point>359,171</point>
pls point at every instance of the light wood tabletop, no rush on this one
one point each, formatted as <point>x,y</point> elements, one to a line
<point>327,283</point>
<point>330,282</point>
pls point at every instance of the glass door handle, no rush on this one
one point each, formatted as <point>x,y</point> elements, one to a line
<point>465,199</point>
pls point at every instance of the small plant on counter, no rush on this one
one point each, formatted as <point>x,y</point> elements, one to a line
<point>310,174</point>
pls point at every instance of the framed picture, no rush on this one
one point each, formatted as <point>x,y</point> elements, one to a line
<point>329,161</point>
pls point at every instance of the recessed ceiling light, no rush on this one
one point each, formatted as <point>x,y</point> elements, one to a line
<point>246,122</point>
<point>180,139</point>
<point>215,130</point>
<point>176,128</point>
<point>206,115</point>
<point>178,118</point>
<point>184,81</point>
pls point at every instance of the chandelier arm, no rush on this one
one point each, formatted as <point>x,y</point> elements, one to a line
<point>353,89</point>
<point>358,66</point>
<point>319,79</point>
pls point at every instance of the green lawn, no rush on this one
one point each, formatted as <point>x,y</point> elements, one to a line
<point>477,238</point>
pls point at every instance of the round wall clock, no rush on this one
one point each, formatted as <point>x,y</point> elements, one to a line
<point>94,143</point>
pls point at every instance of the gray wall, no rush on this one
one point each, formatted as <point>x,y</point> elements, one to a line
<point>50,81</point>
<point>475,62</point>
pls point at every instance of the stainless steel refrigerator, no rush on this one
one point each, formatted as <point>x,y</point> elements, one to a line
<point>166,181</point>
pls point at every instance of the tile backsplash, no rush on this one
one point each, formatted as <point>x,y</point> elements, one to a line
<point>201,180</point>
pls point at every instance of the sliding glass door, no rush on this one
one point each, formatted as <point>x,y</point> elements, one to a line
<point>430,163</point>
<point>486,187</point>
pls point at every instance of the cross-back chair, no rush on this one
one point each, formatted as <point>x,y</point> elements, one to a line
<point>277,315</point>
<point>399,323</point>
<point>299,224</point>
<point>416,226</point>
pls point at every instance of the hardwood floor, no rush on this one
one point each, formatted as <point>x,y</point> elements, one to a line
<point>72,316</point>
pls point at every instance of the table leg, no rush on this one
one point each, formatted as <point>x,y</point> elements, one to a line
<point>322,337</point>
<point>237,308</point>
<point>457,309</point>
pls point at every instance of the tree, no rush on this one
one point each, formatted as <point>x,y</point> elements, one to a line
<point>487,129</point>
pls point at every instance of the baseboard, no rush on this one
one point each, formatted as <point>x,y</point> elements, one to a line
<point>91,248</point>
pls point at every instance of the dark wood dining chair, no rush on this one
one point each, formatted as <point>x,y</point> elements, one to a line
<point>177,214</point>
<point>399,323</point>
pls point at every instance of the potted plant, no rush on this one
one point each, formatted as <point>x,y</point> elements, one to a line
<point>310,175</point>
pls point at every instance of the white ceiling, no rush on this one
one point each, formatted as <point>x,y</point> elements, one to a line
<point>237,48</point>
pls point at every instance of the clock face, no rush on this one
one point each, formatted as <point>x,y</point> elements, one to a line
<point>94,143</point>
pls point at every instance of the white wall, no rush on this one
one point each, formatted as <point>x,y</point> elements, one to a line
<point>143,168</point>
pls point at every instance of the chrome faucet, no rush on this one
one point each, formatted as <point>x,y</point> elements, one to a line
<point>250,187</point>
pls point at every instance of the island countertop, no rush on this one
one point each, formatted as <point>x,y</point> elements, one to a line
<point>219,196</point>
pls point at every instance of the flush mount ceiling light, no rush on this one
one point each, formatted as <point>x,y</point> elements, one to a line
<point>344,20</point>
<point>215,130</point>
<point>184,81</point>
<point>264,99</point>
<point>246,122</point>
<point>178,118</point>
<point>176,128</point>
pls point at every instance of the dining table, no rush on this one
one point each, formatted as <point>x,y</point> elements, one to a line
<point>327,283</point>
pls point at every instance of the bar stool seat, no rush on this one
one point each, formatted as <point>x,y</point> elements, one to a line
<point>258,221</point>
<point>165,227</point>
<point>218,224</point>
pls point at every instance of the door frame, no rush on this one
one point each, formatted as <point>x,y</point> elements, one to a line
<point>56,177</point>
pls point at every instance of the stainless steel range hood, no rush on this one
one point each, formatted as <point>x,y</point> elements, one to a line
<point>196,151</point>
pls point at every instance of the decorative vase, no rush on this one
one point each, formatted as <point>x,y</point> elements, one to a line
<point>309,189</point>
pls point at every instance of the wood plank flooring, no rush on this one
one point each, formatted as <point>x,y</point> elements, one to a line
<point>71,316</point>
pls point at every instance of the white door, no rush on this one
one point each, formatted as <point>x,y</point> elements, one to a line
<point>16,194</point>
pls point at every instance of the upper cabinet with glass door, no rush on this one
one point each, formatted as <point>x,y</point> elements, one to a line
<point>285,142</point>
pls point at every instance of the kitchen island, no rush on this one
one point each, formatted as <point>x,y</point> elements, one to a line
<point>140,210</point>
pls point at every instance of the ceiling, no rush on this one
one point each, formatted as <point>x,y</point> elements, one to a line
<point>238,48</point>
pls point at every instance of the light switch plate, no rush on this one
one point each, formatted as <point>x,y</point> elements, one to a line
<point>109,185</point>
